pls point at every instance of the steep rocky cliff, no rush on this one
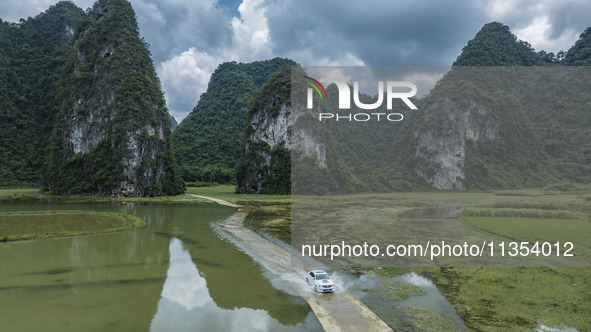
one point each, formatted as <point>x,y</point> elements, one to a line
<point>504,127</point>
<point>112,133</point>
<point>286,148</point>
<point>473,133</point>
<point>266,162</point>
<point>441,146</point>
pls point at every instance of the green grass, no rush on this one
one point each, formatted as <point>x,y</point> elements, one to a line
<point>536,229</point>
<point>227,193</point>
<point>200,184</point>
<point>18,192</point>
<point>518,299</point>
<point>35,194</point>
<point>273,219</point>
<point>519,193</point>
<point>546,205</point>
<point>34,225</point>
<point>518,213</point>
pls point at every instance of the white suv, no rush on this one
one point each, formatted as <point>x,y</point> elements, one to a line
<point>320,281</point>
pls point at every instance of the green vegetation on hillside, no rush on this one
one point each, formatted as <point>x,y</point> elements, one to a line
<point>208,143</point>
<point>263,164</point>
<point>32,54</point>
<point>496,45</point>
<point>521,125</point>
<point>580,53</point>
<point>551,135</point>
<point>547,143</point>
<point>524,126</point>
<point>376,152</point>
<point>112,132</point>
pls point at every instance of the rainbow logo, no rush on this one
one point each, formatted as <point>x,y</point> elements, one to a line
<point>316,87</point>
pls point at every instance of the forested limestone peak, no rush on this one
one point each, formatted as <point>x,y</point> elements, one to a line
<point>471,134</point>
<point>496,45</point>
<point>208,143</point>
<point>112,132</point>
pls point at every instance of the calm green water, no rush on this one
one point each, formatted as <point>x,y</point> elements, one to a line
<point>175,274</point>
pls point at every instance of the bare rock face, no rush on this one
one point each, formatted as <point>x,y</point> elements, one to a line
<point>278,131</point>
<point>273,130</point>
<point>441,146</point>
<point>474,132</point>
<point>266,162</point>
<point>269,134</point>
<point>280,134</point>
<point>287,149</point>
<point>113,130</point>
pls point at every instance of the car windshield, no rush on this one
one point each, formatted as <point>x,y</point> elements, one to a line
<point>322,276</point>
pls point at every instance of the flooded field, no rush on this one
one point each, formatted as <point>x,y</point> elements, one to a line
<point>176,273</point>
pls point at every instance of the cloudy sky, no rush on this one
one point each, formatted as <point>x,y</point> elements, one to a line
<point>189,38</point>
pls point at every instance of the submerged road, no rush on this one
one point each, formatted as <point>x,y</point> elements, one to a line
<point>340,311</point>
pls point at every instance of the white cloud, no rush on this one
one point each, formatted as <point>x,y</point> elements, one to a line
<point>547,25</point>
<point>538,35</point>
<point>501,8</point>
<point>251,40</point>
<point>185,78</point>
<point>149,12</point>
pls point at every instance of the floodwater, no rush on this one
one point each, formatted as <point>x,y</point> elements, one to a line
<point>430,299</point>
<point>175,274</point>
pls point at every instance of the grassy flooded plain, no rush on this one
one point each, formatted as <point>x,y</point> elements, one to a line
<point>486,298</point>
